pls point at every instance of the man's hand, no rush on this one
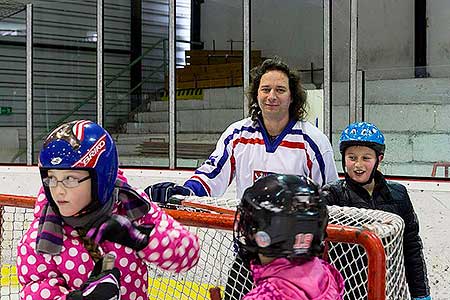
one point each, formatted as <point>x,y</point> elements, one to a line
<point>161,192</point>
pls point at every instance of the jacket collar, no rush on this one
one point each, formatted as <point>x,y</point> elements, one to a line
<point>381,187</point>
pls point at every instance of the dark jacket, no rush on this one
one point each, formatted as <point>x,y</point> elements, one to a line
<point>390,197</point>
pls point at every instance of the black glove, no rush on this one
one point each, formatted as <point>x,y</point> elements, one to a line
<point>99,286</point>
<point>121,230</point>
<point>161,192</point>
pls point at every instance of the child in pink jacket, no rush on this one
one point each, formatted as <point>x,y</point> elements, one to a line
<point>280,229</point>
<point>86,210</point>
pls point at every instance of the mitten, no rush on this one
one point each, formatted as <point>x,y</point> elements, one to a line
<point>161,192</point>
<point>121,230</point>
<point>101,285</point>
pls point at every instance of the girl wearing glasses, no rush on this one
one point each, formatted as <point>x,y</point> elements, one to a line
<point>86,214</point>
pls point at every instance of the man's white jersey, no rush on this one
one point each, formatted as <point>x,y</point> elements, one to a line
<point>245,153</point>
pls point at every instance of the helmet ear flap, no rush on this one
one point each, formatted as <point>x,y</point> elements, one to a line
<point>94,185</point>
<point>242,230</point>
<point>48,194</point>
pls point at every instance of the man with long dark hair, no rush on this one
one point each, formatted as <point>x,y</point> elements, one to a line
<point>274,138</point>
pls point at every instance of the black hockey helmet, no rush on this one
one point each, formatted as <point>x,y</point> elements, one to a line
<point>281,216</point>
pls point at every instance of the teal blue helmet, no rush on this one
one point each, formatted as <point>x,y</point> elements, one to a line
<point>362,134</point>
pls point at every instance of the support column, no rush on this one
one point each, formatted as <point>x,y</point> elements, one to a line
<point>172,85</point>
<point>327,68</point>
<point>353,60</point>
<point>29,86</point>
<point>420,39</point>
<point>100,62</point>
<point>246,53</point>
<point>135,53</point>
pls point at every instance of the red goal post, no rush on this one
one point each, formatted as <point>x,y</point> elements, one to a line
<point>378,250</point>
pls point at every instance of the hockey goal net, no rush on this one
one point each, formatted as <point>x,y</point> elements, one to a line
<point>365,246</point>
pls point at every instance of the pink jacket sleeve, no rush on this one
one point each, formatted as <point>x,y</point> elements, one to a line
<point>171,246</point>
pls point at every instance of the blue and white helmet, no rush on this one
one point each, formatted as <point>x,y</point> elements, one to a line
<point>362,134</point>
<point>82,145</point>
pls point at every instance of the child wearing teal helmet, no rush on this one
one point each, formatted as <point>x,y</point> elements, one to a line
<point>362,147</point>
<point>363,140</point>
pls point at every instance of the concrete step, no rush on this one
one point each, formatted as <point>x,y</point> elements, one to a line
<point>198,137</point>
<point>194,118</point>
<point>188,150</point>
<point>138,138</point>
<point>132,144</point>
<point>162,162</point>
<point>207,121</point>
<point>212,99</point>
<point>156,127</point>
<point>188,121</point>
<point>128,149</point>
<point>163,106</point>
<point>152,117</point>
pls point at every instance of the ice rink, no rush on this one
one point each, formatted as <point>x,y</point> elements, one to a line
<point>431,201</point>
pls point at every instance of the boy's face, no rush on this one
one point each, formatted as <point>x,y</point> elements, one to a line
<point>71,200</point>
<point>359,162</point>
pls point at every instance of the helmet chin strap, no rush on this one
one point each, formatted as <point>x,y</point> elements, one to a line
<point>372,174</point>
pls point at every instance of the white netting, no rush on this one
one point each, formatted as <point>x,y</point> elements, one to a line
<point>217,260</point>
<point>14,222</point>
<point>351,259</point>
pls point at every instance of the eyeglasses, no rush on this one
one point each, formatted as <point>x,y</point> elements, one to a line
<point>68,182</point>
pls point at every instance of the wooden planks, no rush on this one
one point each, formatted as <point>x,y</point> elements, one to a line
<point>213,68</point>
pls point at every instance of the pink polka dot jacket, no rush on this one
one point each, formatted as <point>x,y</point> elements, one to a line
<point>281,279</point>
<point>44,276</point>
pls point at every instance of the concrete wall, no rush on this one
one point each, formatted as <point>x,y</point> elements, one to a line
<point>9,144</point>
<point>218,109</point>
<point>297,20</point>
<point>294,31</point>
<point>438,12</point>
<point>413,114</point>
<point>64,78</point>
<point>430,199</point>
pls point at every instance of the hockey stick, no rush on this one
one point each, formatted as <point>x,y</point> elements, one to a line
<point>201,204</point>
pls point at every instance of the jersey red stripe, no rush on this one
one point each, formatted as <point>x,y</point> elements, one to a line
<point>207,188</point>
